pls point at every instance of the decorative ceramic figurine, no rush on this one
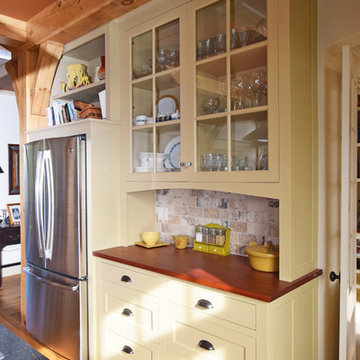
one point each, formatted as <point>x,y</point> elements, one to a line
<point>77,76</point>
<point>101,71</point>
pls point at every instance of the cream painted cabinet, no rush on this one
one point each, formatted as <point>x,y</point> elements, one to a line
<point>202,92</point>
<point>145,315</point>
<point>244,82</point>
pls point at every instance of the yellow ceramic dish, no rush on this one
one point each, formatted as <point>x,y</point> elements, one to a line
<point>150,237</point>
<point>263,258</point>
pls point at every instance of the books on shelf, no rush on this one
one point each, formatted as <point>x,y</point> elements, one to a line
<point>62,112</point>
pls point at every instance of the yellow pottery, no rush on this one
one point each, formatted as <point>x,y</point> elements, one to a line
<point>263,258</point>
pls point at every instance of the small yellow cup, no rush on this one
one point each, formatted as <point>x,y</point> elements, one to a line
<point>180,241</point>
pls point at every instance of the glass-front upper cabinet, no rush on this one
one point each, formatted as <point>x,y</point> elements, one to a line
<point>156,106</point>
<point>234,124</point>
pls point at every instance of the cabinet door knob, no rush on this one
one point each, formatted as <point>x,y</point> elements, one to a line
<point>334,277</point>
<point>126,279</point>
<point>206,345</point>
<point>205,304</point>
<point>185,164</point>
<point>127,312</point>
<point>127,349</point>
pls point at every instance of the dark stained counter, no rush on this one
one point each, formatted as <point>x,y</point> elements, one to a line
<point>228,273</point>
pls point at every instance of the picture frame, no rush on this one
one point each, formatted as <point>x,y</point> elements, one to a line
<point>14,213</point>
<point>14,169</point>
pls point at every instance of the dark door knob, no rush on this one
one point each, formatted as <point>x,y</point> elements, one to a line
<point>206,345</point>
<point>126,279</point>
<point>127,349</point>
<point>334,277</point>
<point>127,312</point>
<point>205,304</point>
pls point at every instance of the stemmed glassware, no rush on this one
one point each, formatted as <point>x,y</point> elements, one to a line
<point>249,89</point>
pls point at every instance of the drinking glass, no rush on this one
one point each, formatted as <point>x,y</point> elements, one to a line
<point>209,47</point>
<point>262,160</point>
<point>220,43</point>
<point>234,39</point>
<point>161,60</point>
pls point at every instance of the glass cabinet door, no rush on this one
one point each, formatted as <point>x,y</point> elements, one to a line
<point>231,86</point>
<point>155,99</point>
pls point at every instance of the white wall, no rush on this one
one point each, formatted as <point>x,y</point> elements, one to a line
<point>9,134</point>
<point>337,19</point>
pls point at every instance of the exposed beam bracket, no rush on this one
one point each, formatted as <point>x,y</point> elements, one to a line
<point>12,69</point>
<point>12,31</point>
<point>49,55</point>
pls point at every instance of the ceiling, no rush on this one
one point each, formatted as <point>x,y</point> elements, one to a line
<point>20,10</point>
<point>23,9</point>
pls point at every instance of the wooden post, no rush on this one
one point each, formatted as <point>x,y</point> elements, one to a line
<point>49,55</point>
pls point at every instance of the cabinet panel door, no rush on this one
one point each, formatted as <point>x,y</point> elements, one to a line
<point>212,304</point>
<point>192,335</point>
<point>133,312</point>
<point>130,279</point>
<point>156,98</point>
<point>116,346</point>
<point>235,91</point>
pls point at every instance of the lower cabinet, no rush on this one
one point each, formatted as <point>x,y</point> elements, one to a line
<point>146,315</point>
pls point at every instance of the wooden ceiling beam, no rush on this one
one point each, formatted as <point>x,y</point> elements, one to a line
<point>66,20</point>
<point>49,55</point>
<point>12,31</point>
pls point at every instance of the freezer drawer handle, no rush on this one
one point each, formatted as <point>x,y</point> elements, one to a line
<point>206,345</point>
<point>52,283</point>
<point>127,349</point>
<point>127,312</point>
<point>126,279</point>
<point>205,304</point>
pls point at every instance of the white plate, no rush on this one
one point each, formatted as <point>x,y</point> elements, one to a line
<point>166,105</point>
<point>141,169</point>
<point>173,149</point>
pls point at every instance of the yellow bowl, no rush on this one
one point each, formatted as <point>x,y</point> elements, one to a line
<point>180,241</point>
<point>264,258</point>
<point>150,237</point>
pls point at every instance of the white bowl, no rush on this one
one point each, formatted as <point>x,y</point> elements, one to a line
<point>161,156</point>
<point>143,155</point>
<point>140,120</point>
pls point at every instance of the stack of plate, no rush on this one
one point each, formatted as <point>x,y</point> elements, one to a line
<point>147,163</point>
<point>173,151</point>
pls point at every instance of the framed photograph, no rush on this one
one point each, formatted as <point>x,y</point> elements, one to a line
<point>14,169</point>
<point>14,213</point>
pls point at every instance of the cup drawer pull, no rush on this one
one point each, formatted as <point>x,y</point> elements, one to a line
<point>206,304</point>
<point>127,349</point>
<point>127,312</point>
<point>206,345</point>
<point>126,279</point>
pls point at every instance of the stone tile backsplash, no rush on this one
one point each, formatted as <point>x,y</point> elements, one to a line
<point>249,217</point>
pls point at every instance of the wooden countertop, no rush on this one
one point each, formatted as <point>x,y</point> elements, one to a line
<point>229,273</point>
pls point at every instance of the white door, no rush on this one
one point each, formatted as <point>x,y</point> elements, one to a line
<point>347,336</point>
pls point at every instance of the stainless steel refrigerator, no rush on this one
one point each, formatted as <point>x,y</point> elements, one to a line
<point>56,244</point>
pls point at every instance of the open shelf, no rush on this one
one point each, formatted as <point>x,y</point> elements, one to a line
<point>88,93</point>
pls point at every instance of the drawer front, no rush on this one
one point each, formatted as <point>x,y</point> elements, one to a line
<point>11,235</point>
<point>116,346</point>
<point>131,279</point>
<point>132,312</point>
<point>196,338</point>
<point>212,303</point>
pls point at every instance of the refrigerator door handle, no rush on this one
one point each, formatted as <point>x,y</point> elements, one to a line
<point>82,207</point>
<point>39,206</point>
<point>29,271</point>
<point>50,212</point>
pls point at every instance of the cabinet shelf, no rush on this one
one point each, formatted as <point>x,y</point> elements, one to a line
<point>88,93</point>
<point>252,110</point>
<point>169,78</point>
<point>160,124</point>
